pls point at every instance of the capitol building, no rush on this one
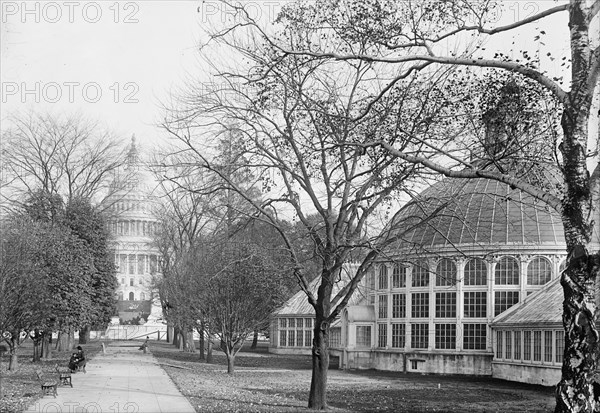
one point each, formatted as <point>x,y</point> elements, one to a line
<point>131,207</point>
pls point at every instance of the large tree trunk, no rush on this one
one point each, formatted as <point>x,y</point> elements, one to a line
<point>47,345</point>
<point>84,335</point>
<point>575,391</point>
<point>230,362</point>
<point>317,398</point>
<point>320,364</point>
<point>13,361</point>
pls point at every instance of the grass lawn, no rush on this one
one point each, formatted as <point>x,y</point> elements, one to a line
<point>19,389</point>
<point>266,382</point>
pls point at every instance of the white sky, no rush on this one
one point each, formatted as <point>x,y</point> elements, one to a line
<point>134,65</point>
<point>134,54</point>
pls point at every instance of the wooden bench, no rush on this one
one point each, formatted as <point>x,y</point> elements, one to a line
<point>81,367</point>
<point>64,376</point>
<point>48,386</point>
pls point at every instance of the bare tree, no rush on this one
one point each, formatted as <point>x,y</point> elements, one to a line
<point>69,156</point>
<point>184,218</point>
<point>402,40</point>
<point>299,132</point>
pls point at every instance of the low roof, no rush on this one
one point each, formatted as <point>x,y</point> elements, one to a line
<point>299,305</point>
<point>544,307</point>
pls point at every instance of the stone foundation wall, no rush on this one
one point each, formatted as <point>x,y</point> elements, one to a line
<point>544,375</point>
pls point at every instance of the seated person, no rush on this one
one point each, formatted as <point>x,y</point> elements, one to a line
<point>73,362</point>
<point>77,360</point>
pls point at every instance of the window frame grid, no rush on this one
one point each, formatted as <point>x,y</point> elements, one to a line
<point>419,305</point>
<point>419,334</point>
<point>478,342</point>
<point>445,336</point>
<point>445,273</point>
<point>507,271</point>
<point>399,305</point>
<point>472,272</point>
<point>399,276</point>
<point>475,304</point>
<point>446,307</point>
<point>382,335</point>
<point>398,335</point>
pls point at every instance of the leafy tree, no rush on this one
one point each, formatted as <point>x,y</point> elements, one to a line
<point>20,286</point>
<point>89,225</point>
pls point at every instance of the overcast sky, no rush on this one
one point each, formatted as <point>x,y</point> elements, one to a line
<point>112,61</point>
<point>116,61</point>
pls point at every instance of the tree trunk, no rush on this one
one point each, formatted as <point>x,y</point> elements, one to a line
<point>575,391</point>
<point>254,340</point>
<point>209,350</point>
<point>201,341</point>
<point>84,334</point>
<point>230,362</point>
<point>183,341</point>
<point>37,350</point>
<point>13,362</point>
<point>47,344</point>
<point>169,332</point>
<point>190,345</point>
<point>62,341</point>
<point>176,336</point>
<point>70,340</point>
<point>320,364</point>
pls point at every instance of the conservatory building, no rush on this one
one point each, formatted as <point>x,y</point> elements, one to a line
<point>472,287</point>
<point>483,248</point>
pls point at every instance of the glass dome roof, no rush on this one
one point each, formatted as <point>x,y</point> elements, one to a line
<point>469,212</point>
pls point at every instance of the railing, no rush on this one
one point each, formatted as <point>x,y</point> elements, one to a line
<point>132,332</point>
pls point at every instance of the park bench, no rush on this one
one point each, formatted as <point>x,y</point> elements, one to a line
<point>64,376</point>
<point>48,386</point>
<point>81,367</point>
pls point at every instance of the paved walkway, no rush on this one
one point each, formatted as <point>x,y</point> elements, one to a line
<point>124,380</point>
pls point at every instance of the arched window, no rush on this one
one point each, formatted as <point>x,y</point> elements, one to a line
<point>420,274</point>
<point>142,296</point>
<point>398,276</point>
<point>475,272</point>
<point>445,272</point>
<point>507,271</point>
<point>121,296</point>
<point>539,271</point>
<point>131,296</point>
<point>383,277</point>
